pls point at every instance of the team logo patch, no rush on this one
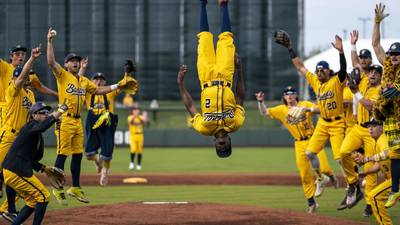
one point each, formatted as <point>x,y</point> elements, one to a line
<point>326,95</point>
<point>71,89</point>
<point>26,102</point>
<point>219,116</point>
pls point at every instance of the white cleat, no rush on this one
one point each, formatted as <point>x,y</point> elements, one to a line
<point>139,167</point>
<point>320,184</point>
<point>131,166</point>
<point>104,176</point>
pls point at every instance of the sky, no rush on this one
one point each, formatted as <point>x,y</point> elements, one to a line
<point>325,18</point>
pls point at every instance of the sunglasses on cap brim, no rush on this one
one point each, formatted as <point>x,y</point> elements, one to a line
<point>289,93</point>
<point>42,112</point>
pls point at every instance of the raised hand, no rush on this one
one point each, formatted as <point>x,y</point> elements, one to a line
<point>354,37</point>
<point>338,43</point>
<point>35,53</point>
<point>129,66</point>
<point>84,62</point>
<point>182,73</point>
<point>50,35</point>
<point>259,96</point>
<point>380,13</point>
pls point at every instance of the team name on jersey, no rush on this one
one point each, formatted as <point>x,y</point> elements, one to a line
<point>98,106</point>
<point>326,95</point>
<point>26,102</point>
<point>293,121</point>
<point>219,116</point>
<point>71,89</point>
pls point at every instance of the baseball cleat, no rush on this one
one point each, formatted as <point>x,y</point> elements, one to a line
<point>77,193</point>
<point>343,204</point>
<point>312,208</point>
<point>367,211</point>
<point>10,217</point>
<point>131,166</point>
<point>392,200</point>
<point>320,184</point>
<point>334,181</point>
<point>60,196</point>
<point>104,176</point>
<point>138,167</point>
<point>354,195</point>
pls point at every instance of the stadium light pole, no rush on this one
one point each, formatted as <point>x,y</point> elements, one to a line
<point>364,21</point>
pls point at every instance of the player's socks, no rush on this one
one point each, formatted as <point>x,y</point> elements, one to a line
<point>311,201</point>
<point>60,161</point>
<point>40,210</point>
<point>11,194</point>
<point>25,212</point>
<point>76,169</point>
<point>226,23</point>
<point>395,172</point>
<point>203,16</point>
<point>107,164</point>
<point>133,158</point>
<point>139,159</point>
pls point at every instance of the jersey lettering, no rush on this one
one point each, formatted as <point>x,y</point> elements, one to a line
<point>71,89</point>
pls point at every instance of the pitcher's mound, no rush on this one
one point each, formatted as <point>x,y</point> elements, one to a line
<point>164,213</point>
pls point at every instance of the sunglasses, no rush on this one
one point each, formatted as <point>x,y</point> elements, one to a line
<point>289,93</point>
<point>42,112</point>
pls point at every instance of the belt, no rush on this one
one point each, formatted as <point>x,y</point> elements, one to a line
<point>303,138</point>
<point>216,83</point>
<point>363,125</point>
<point>73,115</point>
<point>138,133</point>
<point>332,119</point>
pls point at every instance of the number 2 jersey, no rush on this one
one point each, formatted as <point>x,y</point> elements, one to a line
<point>219,111</point>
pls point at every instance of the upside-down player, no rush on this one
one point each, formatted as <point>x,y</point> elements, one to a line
<point>301,128</point>
<point>222,111</point>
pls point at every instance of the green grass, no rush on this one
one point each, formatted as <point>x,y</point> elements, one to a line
<point>204,160</point>
<point>201,160</point>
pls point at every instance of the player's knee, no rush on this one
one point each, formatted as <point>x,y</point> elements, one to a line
<point>311,155</point>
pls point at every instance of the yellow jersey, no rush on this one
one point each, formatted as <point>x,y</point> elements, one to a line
<point>99,106</point>
<point>300,129</point>
<point>18,104</point>
<point>381,145</point>
<point>219,111</point>
<point>135,124</point>
<point>6,74</point>
<point>348,108</point>
<point>370,93</point>
<point>329,95</point>
<point>74,89</point>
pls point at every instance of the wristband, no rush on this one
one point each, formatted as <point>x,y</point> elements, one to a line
<point>260,101</point>
<point>292,54</point>
<point>358,96</point>
<point>114,87</point>
<point>60,110</point>
<point>353,48</point>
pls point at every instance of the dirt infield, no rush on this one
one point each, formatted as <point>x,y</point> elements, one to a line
<point>188,213</point>
<point>185,214</point>
<point>197,179</point>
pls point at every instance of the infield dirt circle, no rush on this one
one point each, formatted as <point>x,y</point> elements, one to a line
<point>191,213</point>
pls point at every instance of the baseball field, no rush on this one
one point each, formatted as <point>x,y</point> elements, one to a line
<point>193,186</point>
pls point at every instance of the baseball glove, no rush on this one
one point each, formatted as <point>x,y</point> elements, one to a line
<point>104,118</point>
<point>354,78</point>
<point>129,66</point>
<point>55,175</point>
<point>282,37</point>
<point>128,84</point>
<point>297,112</point>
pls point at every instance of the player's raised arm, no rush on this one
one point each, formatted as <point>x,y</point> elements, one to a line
<point>186,98</point>
<point>338,44</point>
<point>50,53</point>
<point>83,66</point>
<point>376,34</point>
<point>240,90</point>
<point>355,61</point>
<point>261,106</point>
<point>283,38</point>
<point>19,81</point>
